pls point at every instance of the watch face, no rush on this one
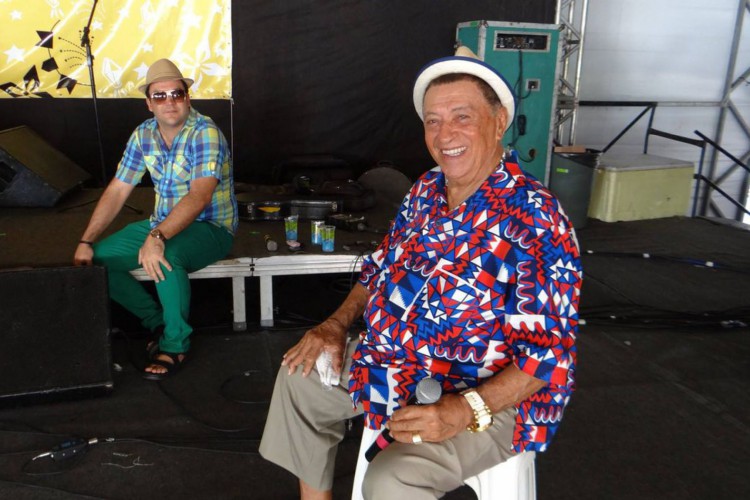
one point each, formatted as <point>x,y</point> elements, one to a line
<point>484,422</point>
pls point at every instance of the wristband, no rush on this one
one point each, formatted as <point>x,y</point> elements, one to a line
<point>86,242</point>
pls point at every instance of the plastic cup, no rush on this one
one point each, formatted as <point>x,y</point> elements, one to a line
<point>290,226</point>
<point>328,233</point>
<point>315,236</point>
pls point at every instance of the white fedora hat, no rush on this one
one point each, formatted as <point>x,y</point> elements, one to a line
<point>465,61</point>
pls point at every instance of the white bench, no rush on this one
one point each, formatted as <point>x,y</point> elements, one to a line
<point>236,269</point>
<point>265,268</point>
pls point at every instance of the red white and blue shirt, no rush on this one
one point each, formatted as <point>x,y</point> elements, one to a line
<point>459,295</point>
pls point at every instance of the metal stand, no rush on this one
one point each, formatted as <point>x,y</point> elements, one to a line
<point>86,42</point>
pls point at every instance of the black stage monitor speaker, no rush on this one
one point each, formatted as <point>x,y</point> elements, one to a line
<point>54,334</point>
<point>33,173</point>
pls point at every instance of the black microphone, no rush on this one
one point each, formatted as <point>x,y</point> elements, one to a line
<point>271,245</point>
<point>428,391</point>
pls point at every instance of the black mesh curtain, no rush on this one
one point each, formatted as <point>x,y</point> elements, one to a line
<point>335,77</point>
<point>322,77</point>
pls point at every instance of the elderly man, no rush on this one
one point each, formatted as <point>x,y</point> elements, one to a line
<point>192,225</point>
<point>476,285</point>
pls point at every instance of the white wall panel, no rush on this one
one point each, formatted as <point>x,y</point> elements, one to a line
<point>666,51</point>
<point>656,49</point>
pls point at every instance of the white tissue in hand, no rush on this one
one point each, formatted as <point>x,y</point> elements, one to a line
<point>324,365</point>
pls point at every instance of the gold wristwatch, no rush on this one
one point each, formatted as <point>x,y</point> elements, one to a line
<point>157,234</point>
<point>482,414</point>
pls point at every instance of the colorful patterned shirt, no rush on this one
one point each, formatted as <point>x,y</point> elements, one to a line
<point>459,295</point>
<point>199,150</point>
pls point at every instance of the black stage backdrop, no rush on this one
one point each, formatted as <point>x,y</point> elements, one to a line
<point>310,77</point>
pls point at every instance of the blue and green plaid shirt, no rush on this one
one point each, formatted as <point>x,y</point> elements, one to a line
<point>199,150</point>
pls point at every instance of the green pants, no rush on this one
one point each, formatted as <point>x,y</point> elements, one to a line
<point>198,245</point>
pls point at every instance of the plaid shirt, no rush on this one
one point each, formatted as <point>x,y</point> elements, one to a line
<point>199,150</point>
<point>460,295</point>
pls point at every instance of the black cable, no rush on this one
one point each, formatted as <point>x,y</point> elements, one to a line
<point>66,466</point>
<point>200,421</point>
<point>692,261</point>
<point>517,90</point>
<point>71,461</point>
<point>179,403</point>
<point>588,276</point>
<point>308,322</point>
<point>37,430</point>
<point>514,127</point>
<point>729,318</point>
<point>86,43</point>
<point>677,321</point>
<point>164,444</point>
<point>659,317</point>
<point>236,376</point>
<point>520,78</point>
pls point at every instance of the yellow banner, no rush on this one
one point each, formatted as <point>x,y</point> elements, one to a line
<point>43,49</point>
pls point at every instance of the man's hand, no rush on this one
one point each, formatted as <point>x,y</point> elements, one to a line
<point>329,335</point>
<point>84,255</point>
<point>151,257</point>
<point>452,413</point>
<point>436,422</point>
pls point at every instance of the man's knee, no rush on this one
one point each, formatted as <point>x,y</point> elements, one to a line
<point>397,475</point>
<point>288,386</point>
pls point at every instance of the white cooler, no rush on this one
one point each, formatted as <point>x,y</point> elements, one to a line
<point>638,186</point>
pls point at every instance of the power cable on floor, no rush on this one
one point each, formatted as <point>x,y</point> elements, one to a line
<point>67,454</point>
<point>691,261</point>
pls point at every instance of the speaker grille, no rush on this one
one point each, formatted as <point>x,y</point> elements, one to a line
<point>55,332</point>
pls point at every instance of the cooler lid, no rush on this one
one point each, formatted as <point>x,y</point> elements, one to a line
<point>634,161</point>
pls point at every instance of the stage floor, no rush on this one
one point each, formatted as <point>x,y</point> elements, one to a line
<point>660,412</point>
<point>47,237</point>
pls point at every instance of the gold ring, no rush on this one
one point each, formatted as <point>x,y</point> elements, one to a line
<point>416,438</point>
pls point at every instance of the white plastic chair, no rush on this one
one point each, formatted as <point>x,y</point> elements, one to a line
<point>514,479</point>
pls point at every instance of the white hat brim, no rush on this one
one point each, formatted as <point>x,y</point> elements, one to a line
<point>468,65</point>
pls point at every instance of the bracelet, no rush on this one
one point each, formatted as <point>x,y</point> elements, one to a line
<point>86,242</point>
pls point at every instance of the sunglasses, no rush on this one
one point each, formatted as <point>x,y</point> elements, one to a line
<point>177,96</point>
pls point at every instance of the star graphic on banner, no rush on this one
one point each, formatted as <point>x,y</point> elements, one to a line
<point>31,79</point>
<point>123,13</point>
<point>142,70</point>
<point>191,20</point>
<point>97,25</point>
<point>49,65</point>
<point>172,3</point>
<point>14,54</point>
<point>147,47</point>
<point>66,82</point>
<point>45,39</point>
<point>16,15</point>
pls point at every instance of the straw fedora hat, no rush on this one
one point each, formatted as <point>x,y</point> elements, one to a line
<point>161,71</point>
<point>464,61</point>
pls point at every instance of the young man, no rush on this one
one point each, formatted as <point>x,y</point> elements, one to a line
<point>192,225</point>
